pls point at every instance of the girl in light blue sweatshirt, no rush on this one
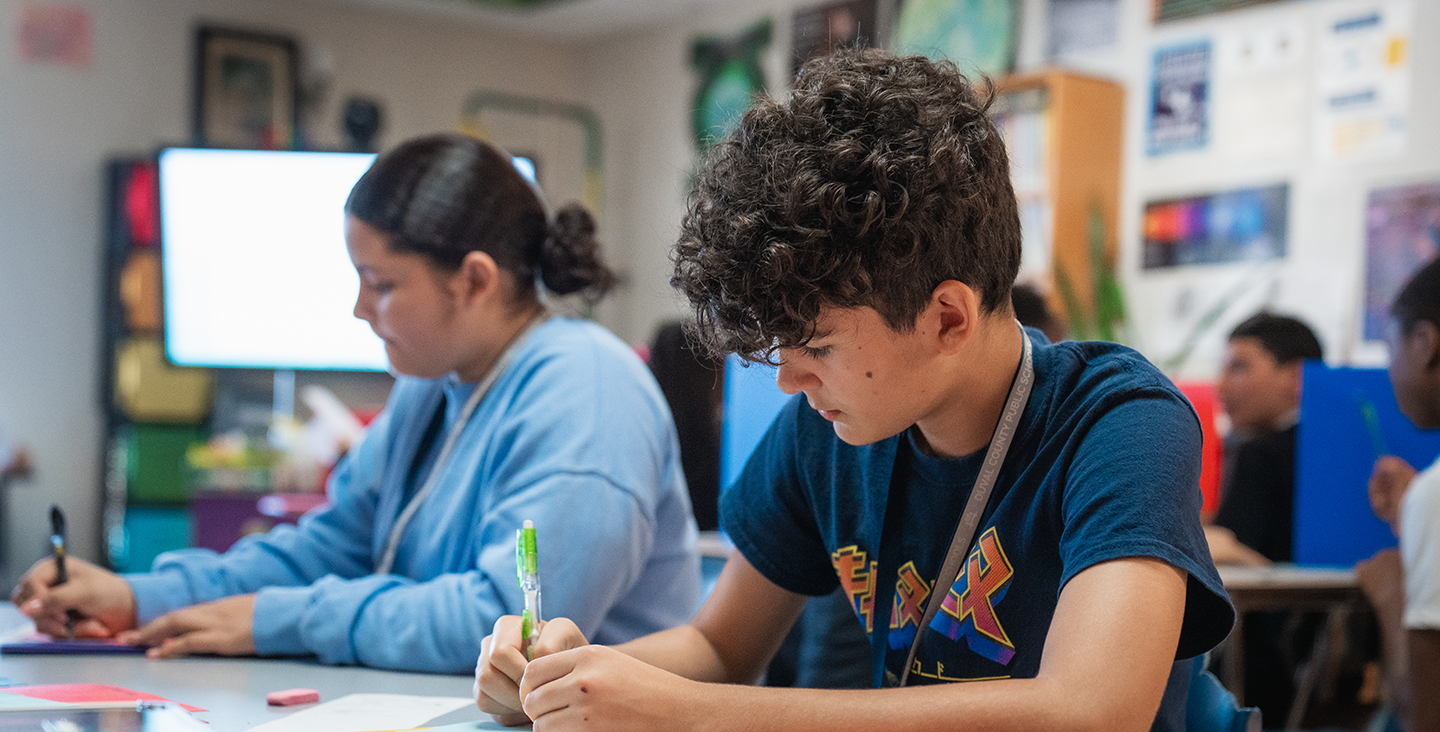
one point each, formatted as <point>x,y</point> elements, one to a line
<point>502,412</point>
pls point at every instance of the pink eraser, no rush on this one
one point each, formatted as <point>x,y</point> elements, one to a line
<point>290,697</point>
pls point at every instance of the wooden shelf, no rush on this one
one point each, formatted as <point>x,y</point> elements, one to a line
<point>1074,134</point>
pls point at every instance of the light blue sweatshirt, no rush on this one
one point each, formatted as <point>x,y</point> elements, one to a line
<point>575,436</point>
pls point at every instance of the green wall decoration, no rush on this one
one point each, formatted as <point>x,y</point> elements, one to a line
<point>975,34</point>
<point>730,77</point>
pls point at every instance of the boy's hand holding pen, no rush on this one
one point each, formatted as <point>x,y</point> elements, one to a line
<point>501,665</point>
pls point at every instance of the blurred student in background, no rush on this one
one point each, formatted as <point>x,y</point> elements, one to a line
<point>1260,391</point>
<point>1032,311</point>
<point>502,413</point>
<point>1404,586</point>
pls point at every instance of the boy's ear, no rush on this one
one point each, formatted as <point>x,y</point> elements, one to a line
<point>955,310</point>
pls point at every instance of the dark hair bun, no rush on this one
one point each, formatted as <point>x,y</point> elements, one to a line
<point>570,257</point>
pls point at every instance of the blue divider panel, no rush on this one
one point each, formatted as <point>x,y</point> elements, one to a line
<point>1335,450</point>
<point>751,402</point>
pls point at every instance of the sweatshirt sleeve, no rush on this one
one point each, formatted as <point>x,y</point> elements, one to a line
<point>557,449</point>
<point>590,552</point>
<point>578,445</point>
<point>333,540</point>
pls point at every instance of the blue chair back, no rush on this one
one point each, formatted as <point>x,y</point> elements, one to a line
<point>1212,708</point>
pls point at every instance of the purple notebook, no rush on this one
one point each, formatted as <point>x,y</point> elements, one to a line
<point>37,645</point>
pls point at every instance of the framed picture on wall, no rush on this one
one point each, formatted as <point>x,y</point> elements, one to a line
<point>820,31</point>
<point>246,89</point>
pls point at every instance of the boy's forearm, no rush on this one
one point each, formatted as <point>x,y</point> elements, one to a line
<point>993,706</point>
<point>1107,656</point>
<point>683,651</point>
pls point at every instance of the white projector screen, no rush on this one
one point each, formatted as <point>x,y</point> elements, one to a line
<point>255,270</point>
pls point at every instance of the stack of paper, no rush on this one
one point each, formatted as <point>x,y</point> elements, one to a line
<point>360,712</point>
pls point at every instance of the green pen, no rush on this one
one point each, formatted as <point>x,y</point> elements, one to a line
<point>1372,424</point>
<point>527,568</point>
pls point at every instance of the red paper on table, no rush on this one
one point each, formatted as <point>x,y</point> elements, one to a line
<point>88,693</point>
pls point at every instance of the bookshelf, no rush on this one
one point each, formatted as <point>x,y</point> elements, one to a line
<point>1064,133</point>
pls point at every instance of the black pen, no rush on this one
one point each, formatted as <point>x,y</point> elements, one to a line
<point>57,543</point>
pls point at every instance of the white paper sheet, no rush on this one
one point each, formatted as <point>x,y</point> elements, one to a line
<point>359,712</point>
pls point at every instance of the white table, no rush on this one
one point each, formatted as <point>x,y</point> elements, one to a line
<point>232,690</point>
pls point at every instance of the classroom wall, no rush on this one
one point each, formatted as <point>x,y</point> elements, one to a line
<point>1322,276</point>
<point>642,84</point>
<point>57,126</point>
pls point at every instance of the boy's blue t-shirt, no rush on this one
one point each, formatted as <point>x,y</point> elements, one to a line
<point>1105,464</point>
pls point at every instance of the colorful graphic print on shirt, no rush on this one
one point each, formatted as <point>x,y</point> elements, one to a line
<point>969,610</point>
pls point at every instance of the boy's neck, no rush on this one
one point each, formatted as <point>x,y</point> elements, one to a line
<point>964,419</point>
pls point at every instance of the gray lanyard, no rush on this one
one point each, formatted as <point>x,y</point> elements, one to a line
<point>392,544</point>
<point>979,496</point>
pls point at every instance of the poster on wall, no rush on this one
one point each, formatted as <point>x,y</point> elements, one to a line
<point>1074,26</point>
<point>1262,85</point>
<point>246,89</point>
<point>1362,85</point>
<point>821,31</point>
<point>1179,99</point>
<point>729,78</point>
<point>1177,9</point>
<point>1244,225</point>
<point>978,35</point>
<point>1402,234</point>
<point>53,35</point>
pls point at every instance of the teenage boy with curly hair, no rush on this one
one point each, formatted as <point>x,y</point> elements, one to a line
<point>863,236</point>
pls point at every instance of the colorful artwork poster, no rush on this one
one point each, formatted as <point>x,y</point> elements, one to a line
<point>821,31</point>
<point>978,35</point>
<point>1402,234</point>
<point>1244,225</point>
<point>1179,99</point>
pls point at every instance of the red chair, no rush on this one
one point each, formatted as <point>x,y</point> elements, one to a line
<point>1203,397</point>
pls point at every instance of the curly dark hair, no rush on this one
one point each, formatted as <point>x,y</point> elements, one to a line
<point>879,178</point>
